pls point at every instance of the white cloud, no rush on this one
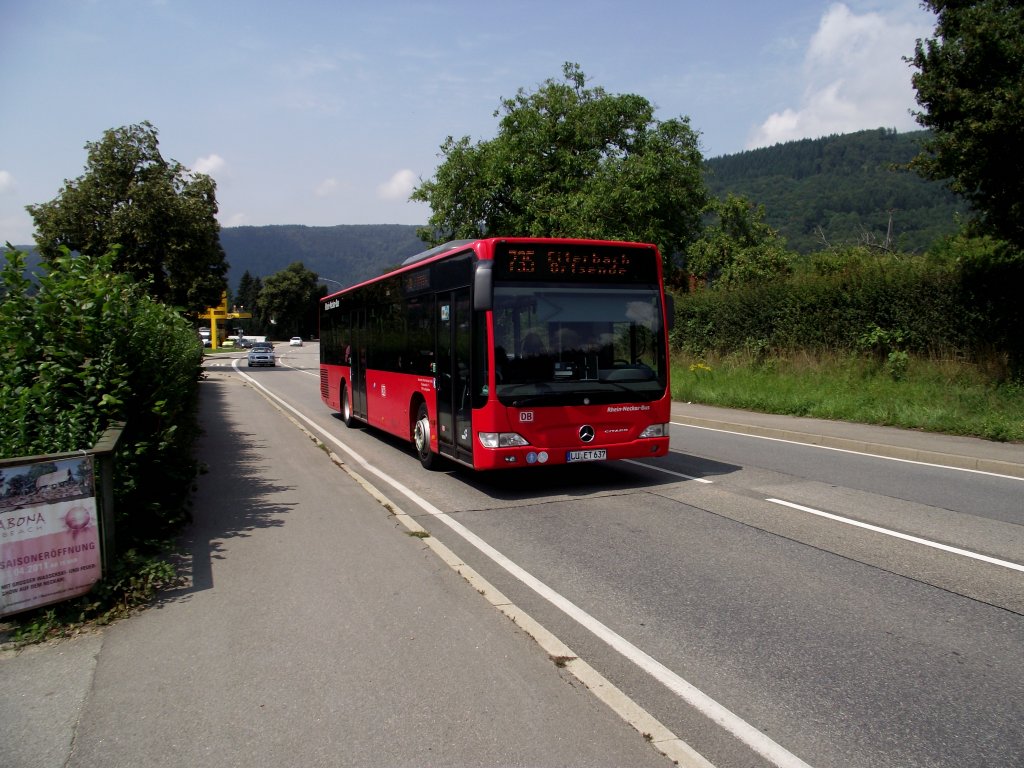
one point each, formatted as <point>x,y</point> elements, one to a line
<point>398,187</point>
<point>6,182</point>
<point>854,78</point>
<point>209,164</point>
<point>326,188</point>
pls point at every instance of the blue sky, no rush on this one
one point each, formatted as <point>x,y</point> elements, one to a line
<point>324,113</point>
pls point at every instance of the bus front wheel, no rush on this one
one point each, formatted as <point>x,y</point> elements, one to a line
<point>421,438</point>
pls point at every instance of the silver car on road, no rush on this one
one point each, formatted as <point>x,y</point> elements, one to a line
<point>262,354</point>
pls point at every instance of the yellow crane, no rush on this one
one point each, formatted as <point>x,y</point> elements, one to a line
<point>213,314</point>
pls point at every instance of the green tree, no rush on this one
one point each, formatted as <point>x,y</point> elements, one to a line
<point>288,301</point>
<point>248,291</point>
<point>247,298</point>
<point>161,215</point>
<point>970,85</point>
<point>571,161</point>
<point>740,248</point>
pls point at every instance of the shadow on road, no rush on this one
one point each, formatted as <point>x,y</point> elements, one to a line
<point>525,483</point>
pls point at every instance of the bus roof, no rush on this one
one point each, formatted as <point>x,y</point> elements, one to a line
<point>438,249</point>
<point>454,245</point>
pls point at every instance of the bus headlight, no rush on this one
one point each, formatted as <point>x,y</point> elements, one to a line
<point>655,430</point>
<point>501,439</point>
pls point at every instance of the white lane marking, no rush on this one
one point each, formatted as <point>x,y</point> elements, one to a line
<point>898,535</point>
<point>667,471</point>
<point>300,370</point>
<point>742,730</point>
<point>847,450</point>
<point>235,363</point>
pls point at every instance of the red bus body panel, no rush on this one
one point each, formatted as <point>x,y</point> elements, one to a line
<point>389,396</point>
<point>552,432</point>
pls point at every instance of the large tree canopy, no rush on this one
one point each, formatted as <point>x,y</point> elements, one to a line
<point>970,84</point>
<point>740,248</point>
<point>162,216</point>
<point>571,161</point>
<point>289,301</point>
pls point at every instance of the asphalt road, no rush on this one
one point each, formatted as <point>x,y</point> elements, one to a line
<point>749,600</point>
<point>895,644</point>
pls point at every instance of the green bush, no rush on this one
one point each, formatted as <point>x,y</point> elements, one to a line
<point>867,304</point>
<point>89,347</point>
<point>992,284</point>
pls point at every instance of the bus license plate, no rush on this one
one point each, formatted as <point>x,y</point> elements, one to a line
<point>598,454</point>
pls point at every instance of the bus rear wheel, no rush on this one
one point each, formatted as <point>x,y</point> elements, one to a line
<point>346,407</point>
<point>421,438</point>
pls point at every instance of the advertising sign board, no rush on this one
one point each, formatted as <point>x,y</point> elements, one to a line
<point>49,533</point>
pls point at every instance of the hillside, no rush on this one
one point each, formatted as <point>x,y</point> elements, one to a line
<point>840,189</point>
<point>343,253</point>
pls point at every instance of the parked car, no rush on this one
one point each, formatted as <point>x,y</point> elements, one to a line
<point>262,354</point>
<point>296,341</point>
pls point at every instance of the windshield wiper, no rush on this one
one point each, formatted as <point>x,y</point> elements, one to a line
<point>569,396</point>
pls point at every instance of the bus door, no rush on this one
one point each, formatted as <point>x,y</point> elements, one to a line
<point>358,362</point>
<point>454,401</point>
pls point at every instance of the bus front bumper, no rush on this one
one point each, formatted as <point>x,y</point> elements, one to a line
<point>531,456</point>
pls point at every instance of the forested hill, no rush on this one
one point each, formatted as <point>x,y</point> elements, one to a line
<point>840,190</point>
<point>344,253</point>
<point>347,253</point>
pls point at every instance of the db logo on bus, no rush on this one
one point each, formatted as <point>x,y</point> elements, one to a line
<point>525,416</point>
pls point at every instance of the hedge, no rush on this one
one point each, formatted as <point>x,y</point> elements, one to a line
<point>87,347</point>
<point>940,307</point>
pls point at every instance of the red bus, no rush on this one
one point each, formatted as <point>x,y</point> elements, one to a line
<point>506,352</point>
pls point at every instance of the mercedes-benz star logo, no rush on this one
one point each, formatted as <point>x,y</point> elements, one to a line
<point>586,433</point>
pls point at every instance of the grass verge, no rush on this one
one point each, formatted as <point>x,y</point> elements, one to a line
<point>946,396</point>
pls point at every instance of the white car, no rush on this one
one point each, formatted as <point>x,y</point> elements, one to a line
<point>295,341</point>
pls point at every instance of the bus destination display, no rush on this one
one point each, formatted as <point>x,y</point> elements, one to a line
<point>514,261</point>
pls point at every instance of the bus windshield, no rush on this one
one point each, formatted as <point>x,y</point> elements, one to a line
<point>557,345</point>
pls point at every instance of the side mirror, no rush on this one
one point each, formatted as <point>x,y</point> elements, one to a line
<point>483,286</point>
